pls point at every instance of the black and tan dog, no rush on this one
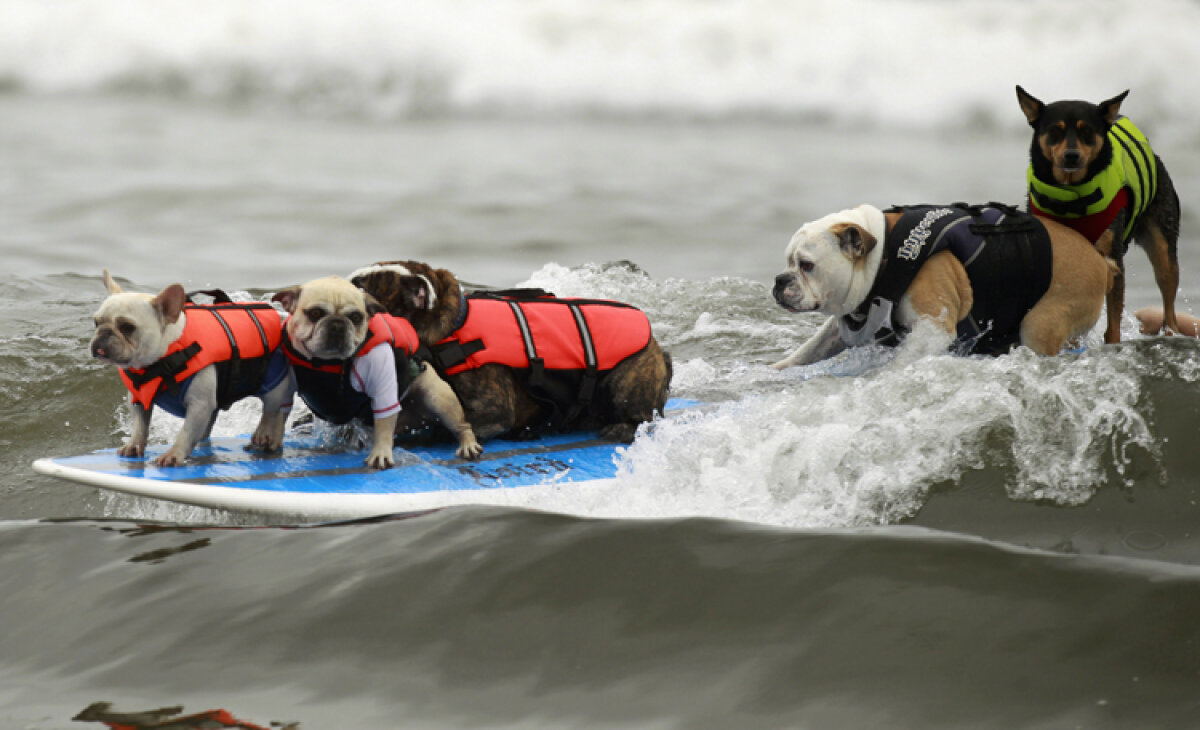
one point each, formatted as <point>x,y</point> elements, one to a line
<point>993,275</point>
<point>1093,170</point>
<point>524,362</point>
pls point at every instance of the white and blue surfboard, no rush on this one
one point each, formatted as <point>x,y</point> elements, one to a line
<point>311,478</point>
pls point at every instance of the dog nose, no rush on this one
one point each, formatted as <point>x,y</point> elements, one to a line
<point>1072,158</point>
<point>782,282</point>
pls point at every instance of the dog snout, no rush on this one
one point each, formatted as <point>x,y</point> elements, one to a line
<point>100,346</point>
<point>1072,158</point>
<point>782,282</point>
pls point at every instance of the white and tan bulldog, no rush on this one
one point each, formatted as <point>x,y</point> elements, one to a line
<point>833,265</point>
<point>329,322</point>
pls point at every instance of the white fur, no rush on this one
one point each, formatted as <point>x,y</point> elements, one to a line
<point>146,345</point>
<point>836,284</point>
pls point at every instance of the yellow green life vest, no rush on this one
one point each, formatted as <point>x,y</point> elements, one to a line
<point>1133,166</point>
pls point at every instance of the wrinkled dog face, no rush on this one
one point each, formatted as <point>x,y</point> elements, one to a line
<point>131,327</point>
<point>400,286</point>
<point>827,267</point>
<point>329,319</point>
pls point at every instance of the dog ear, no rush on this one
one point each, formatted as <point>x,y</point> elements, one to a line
<point>112,286</point>
<point>373,305</point>
<point>853,240</point>
<point>288,298</point>
<point>1111,109</point>
<point>169,302</point>
<point>1031,106</point>
<point>447,282</point>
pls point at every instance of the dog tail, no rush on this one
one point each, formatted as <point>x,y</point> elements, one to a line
<point>1113,272</point>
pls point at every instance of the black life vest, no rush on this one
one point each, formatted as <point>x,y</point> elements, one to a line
<point>325,384</point>
<point>1007,256</point>
<point>561,345</point>
<point>240,338</point>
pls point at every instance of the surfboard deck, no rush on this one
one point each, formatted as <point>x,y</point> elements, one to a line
<point>310,477</point>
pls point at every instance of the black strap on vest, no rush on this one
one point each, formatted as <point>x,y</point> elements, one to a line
<point>447,355</point>
<point>1065,208</point>
<point>218,296</point>
<point>537,366</point>
<point>587,387</point>
<point>230,372</point>
<point>166,368</point>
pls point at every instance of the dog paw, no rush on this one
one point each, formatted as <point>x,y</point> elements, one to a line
<point>132,451</point>
<point>262,447</point>
<point>470,452</point>
<point>170,458</point>
<point>622,432</point>
<point>381,460</point>
<point>263,444</point>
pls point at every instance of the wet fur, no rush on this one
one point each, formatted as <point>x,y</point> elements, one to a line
<point>134,330</point>
<point>1158,229</point>
<point>341,328</point>
<point>833,263</point>
<point>494,397</point>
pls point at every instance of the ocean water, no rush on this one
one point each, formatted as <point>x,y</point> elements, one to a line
<point>892,539</point>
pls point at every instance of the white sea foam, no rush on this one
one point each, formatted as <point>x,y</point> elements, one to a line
<point>906,62</point>
<point>857,440</point>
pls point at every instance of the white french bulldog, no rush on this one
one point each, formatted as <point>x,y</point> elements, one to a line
<point>329,322</point>
<point>134,331</point>
<point>833,263</point>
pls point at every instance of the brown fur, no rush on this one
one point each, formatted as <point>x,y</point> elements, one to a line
<point>493,396</point>
<point>1079,279</point>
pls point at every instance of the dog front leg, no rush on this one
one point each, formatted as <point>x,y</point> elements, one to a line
<point>381,456</point>
<point>201,405</point>
<point>439,398</point>
<point>135,447</point>
<point>826,343</point>
<point>276,405</point>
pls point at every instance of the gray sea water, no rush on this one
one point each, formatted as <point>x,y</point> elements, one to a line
<point>897,539</point>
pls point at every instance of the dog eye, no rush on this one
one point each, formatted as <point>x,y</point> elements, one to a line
<point>314,314</point>
<point>127,328</point>
<point>355,318</point>
<point>1056,134</point>
<point>1085,133</point>
<point>805,266</point>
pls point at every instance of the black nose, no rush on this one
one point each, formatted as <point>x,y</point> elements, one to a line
<point>782,281</point>
<point>1072,158</point>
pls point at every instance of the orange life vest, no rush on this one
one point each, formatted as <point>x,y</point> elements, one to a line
<point>563,345</point>
<point>238,337</point>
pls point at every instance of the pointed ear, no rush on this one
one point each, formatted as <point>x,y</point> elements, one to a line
<point>288,298</point>
<point>373,305</point>
<point>170,301</point>
<point>1111,109</point>
<point>1031,106</point>
<point>112,286</point>
<point>853,240</point>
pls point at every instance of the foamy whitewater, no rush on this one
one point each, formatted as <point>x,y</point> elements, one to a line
<point>857,440</point>
<point>910,63</point>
